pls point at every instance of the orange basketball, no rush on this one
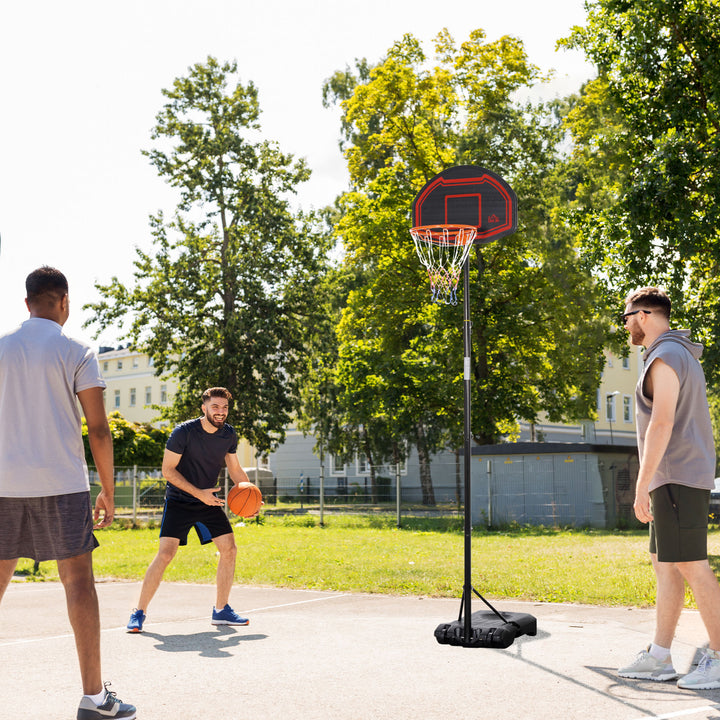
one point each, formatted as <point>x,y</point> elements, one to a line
<point>244,499</point>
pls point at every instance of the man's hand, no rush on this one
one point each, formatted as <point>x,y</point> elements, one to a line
<point>104,510</point>
<point>642,505</point>
<point>209,497</point>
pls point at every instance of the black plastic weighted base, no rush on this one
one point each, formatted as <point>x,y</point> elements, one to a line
<point>488,630</point>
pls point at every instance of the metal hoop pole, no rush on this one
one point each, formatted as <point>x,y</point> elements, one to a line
<point>467,344</point>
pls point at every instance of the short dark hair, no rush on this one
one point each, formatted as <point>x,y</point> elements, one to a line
<point>216,392</point>
<point>46,283</point>
<point>650,298</point>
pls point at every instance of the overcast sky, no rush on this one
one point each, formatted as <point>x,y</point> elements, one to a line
<point>80,85</point>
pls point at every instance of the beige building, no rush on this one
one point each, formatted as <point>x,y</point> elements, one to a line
<point>616,396</point>
<point>132,386</point>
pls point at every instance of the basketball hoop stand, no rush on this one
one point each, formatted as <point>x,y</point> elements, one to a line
<point>458,208</point>
<point>484,628</point>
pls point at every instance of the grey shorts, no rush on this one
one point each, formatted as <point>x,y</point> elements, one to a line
<point>46,528</point>
<point>678,531</point>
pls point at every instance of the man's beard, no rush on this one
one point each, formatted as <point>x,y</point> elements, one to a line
<point>213,422</point>
<point>637,337</point>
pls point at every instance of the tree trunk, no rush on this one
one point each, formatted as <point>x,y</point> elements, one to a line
<point>371,465</point>
<point>428,493</point>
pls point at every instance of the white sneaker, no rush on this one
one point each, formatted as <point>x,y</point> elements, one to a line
<point>707,674</point>
<point>646,667</point>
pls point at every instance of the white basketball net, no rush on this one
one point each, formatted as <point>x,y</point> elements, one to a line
<point>443,249</point>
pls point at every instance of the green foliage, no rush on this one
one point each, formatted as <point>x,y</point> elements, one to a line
<point>657,218</point>
<point>229,288</point>
<point>133,443</point>
<point>537,337</point>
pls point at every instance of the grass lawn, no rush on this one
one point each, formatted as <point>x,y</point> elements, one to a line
<point>425,557</point>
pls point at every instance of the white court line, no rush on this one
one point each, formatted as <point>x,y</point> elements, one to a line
<point>25,641</point>
<point>680,713</point>
<point>297,602</point>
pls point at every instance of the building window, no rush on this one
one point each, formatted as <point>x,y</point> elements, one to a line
<point>389,470</point>
<point>148,395</point>
<point>119,364</point>
<point>105,366</point>
<point>132,397</point>
<point>627,409</point>
<point>337,467</point>
<point>362,465</point>
<point>117,398</point>
<point>610,407</point>
<point>626,363</point>
<point>163,394</point>
<point>136,362</point>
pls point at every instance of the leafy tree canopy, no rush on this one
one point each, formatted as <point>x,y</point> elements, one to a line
<point>658,218</point>
<point>226,292</point>
<point>537,337</point>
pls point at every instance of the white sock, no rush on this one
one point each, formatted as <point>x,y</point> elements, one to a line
<point>97,699</point>
<point>659,653</point>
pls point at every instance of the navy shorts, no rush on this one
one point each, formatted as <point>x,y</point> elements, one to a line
<point>678,531</point>
<point>56,527</point>
<point>209,521</point>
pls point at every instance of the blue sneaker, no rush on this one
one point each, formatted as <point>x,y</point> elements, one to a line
<point>110,707</point>
<point>227,616</point>
<point>136,621</point>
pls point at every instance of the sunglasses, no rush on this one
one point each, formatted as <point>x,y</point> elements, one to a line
<point>625,316</point>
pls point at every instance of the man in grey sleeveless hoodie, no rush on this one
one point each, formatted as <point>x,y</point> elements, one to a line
<point>676,474</point>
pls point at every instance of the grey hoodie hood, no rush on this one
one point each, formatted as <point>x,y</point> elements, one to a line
<point>678,336</point>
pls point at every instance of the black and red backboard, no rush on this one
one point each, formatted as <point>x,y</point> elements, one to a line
<point>468,195</point>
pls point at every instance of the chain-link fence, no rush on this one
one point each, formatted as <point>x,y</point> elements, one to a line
<point>552,489</point>
<point>140,493</point>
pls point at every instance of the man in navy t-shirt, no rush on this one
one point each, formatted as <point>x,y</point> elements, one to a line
<point>194,455</point>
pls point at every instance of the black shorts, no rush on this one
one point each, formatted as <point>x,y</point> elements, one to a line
<point>209,521</point>
<point>678,531</point>
<point>56,527</point>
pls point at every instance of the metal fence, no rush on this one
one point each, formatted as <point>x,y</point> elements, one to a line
<point>140,493</point>
<point>537,490</point>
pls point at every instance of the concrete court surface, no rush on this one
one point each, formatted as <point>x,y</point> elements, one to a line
<point>309,654</point>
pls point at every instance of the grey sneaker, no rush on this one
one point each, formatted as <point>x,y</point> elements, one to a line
<point>707,674</point>
<point>646,667</point>
<point>110,707</point>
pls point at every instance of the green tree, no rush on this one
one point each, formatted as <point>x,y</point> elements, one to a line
<point>133,443</point>
<point>319,413</point>
<point>537,338</point>
<point>659,69</point>
<point>228,290</point>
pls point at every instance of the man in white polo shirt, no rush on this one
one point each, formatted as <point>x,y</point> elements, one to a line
<point>45,507</point>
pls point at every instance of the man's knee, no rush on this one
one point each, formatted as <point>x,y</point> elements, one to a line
<point>165,554</point>
<point>693,569</point>
<point>226,547</point>
<point>76,576</point>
